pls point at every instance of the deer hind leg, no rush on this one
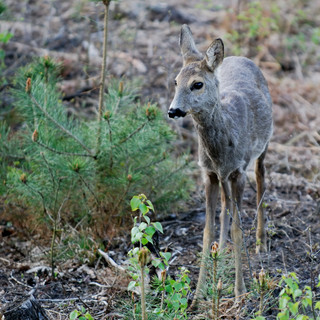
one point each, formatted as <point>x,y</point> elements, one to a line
<point>212,192</point>
<point>261,240</point>
<point>237,184</point>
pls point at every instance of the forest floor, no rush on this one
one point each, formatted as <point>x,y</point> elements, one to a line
<point>143,44</point>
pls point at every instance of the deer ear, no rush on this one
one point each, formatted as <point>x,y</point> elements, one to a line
<point>214,54</point>
<point>189,50</point>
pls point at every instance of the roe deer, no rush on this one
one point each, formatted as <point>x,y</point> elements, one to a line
<point>230,104</point>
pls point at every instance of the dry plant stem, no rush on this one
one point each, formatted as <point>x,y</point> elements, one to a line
<point>311,274</point>
<point>214,300</point>
<point>143,296</point>
<point>66,131</point>
<point>103,71</point>
<point>163,290</point>
<point>261,301</point>
<point>54,236</point>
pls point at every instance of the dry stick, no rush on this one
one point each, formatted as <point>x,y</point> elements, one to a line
<point>215,267</point>
<point>163,276</point>
<point>142,258</point>
<point>62,128</point>
<point>311,275</point>
<point>103,71</point>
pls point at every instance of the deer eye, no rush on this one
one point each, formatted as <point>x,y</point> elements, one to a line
<point>175,82</point>
<point>197,86</point>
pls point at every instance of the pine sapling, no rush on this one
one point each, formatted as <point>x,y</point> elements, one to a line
<point>262,289</point>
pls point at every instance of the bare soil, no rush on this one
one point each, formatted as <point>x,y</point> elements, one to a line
<point>143,43</point>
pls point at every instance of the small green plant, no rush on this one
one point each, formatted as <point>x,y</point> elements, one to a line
<point>294,302</point>
<point>81,314</point>
<point>170,295</point>
<point>254,24</point>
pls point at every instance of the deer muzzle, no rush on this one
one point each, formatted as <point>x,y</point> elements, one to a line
<point>176,113</point>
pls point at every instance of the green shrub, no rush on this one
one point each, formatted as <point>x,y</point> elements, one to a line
<point>61,171</point>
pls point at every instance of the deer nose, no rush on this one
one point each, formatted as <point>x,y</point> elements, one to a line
<point>172,113</point>
<point>176,113</point>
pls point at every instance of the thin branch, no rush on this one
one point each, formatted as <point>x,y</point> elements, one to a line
<point>41,196</point>
<point>103,71</point>
<point>110,139</point>
<point>88,187</point>
<point>134,132</point>
<point>111,261</point>
<point>64,152</point>
<point>49,168</point>
<point>62,128</point>
<point>7,155</point>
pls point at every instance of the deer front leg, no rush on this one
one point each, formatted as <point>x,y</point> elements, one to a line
<point>261,240</point>
<point>237,185</point>
<point>224,215</point>
<point>212,192</point>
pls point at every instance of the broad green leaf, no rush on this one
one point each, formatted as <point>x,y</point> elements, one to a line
<point>176,305</point>
<point>143,208</point>
<point>177,286</point>
<point>293,307</point>
<point>83,310</point>
<point>283,301</point>
<point>306,302</point>
<point>158,226</point>
<point>283,315</point>
<point>169,288</point>
<point>259,318</point>
<point>74,314</point>
<point>142,226</point>
<point>156,262</point>
<point>88,316</point>
<point>150,230</point>
<point>150,205</point>
<point>131,285</point>
<point>137,237</point>
<point>135,202</point>
<point>302,317</point>
<point>134,231</point>
<point>161,266</point>
<point>297,293</point>
<point>165,255</point>
<point>149,239</point>
<point>147,219</point>
<point>144,241</point>
<point>317,305</point>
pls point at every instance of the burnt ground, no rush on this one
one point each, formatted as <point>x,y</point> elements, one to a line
<point>143,43</point>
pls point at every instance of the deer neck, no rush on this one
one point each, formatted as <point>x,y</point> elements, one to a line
<point>214,136</point>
